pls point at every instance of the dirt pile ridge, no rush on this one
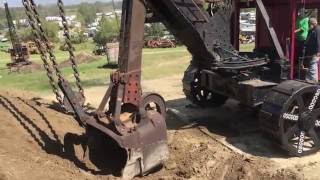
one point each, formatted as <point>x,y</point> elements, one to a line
<point>195,156</point>
<point>33,67</point>
<point>81,58</point>
<point>32,141</point>
<point>35,143</point>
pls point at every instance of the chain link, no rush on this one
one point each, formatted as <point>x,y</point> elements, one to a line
<point>36,32</point>
<point>44,39</point>
<point>70,47</point>
<point>45,48</point>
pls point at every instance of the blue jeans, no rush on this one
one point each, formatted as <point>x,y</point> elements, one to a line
<point>312,74</point>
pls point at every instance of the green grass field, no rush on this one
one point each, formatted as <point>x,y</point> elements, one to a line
<point>157,63</point>
<point>247,47</point>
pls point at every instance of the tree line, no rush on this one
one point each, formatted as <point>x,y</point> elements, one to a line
<point>86,12</point>
<point>107,30</point>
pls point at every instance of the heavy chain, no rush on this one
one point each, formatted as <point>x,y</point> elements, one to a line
<point>44,39</point>
<point>36,32</point>
<point>70,47</point>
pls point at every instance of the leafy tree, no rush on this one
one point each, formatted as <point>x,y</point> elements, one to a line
<point>51,31</point>
<point>155,30</point>
<point>99,6</point>
<point>25,34</point>
<point>3,24</point>
<point>78,37</point>
<point>87,13</point>
<point>107,31</point>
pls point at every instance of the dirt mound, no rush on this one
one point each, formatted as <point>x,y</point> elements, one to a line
<point>195,156</point>
<point>32,141</point>
<point>37,142</point>
<point>27,68</point>
<point>81,58</point>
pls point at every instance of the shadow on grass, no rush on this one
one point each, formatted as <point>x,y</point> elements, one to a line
<point>109,66</point>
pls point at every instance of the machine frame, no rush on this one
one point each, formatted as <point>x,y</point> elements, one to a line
<point>135,121</point>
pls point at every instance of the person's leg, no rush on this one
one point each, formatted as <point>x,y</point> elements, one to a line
<point>299,71</point>
<point>299,50</point>
<point>312,74</point>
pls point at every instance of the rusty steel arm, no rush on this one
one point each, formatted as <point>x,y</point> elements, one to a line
<point>272,31</point>
<point>125,86</point>
<point>131,44</point>
<point>125,83</point>
<point>11,26</point>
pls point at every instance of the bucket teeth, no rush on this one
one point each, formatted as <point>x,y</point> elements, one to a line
<point>153,150</point>
<point>142,161</point>
<point>132,154</point>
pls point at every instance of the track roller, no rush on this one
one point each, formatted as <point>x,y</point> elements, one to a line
<point>198,94</point>
<point>291,113</point>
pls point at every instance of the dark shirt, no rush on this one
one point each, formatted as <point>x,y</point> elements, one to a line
<point>313,41</point>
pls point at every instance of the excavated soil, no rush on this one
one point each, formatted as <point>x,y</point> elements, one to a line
<point>81,58</point>
<point>33,67</point>
<point>37,142</point>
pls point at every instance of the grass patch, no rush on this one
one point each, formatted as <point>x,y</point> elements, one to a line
<point>247,47</point>
<point>157,63</point>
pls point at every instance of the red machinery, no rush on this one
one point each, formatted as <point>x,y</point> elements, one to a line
<point>282,15</point>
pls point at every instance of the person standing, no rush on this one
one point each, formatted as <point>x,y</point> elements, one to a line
<point>312,46</point>
<point>302,26</point>
<point>301,32</point>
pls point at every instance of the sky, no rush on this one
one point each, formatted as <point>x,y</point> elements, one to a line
<point>16,3</point>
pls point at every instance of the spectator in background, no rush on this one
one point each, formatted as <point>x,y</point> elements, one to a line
<point>302,26</point>
<point>312,46</point>
<point>301,32</point>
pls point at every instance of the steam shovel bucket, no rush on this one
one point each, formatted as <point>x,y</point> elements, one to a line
<point>134,153</point>
<point>153,150</point>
